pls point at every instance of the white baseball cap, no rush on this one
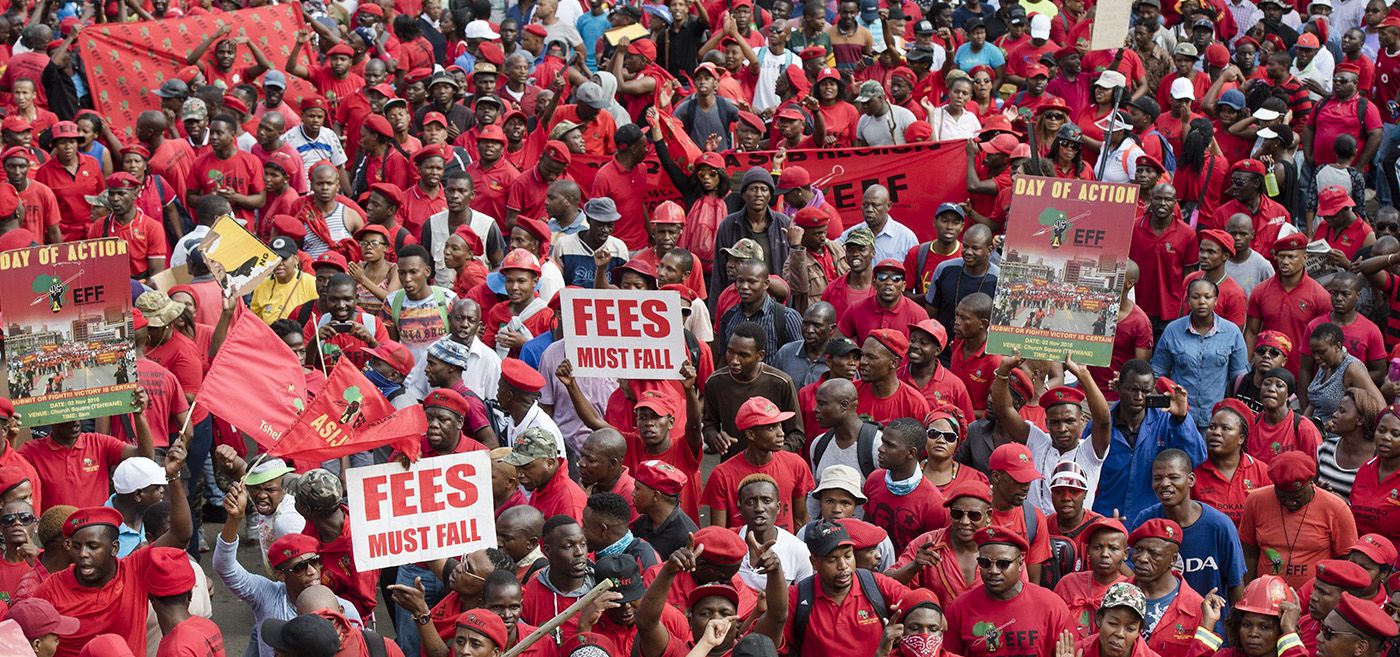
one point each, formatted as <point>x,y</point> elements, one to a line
<point>136,473</point>
<point>1182,89</point>
<point>1040,26</point>
<point>479,29</point>
<point>1266,114</point>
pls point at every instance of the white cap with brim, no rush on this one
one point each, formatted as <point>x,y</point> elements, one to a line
<point>1182,89</point>
<point>1111,79</point>
<point>1266,114</point>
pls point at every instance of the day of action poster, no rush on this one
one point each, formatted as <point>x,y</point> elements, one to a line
<point>68,345</point>
<point>1062,275</point>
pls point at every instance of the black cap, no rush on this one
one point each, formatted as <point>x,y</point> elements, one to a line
<point>840,347</point>
<point>1148,106</point>
<point>824,536</point>
<point>622,569</point>
<point>923,27</point>
<point>307,635</point>
<point>755,645</point>
<point>919,53</point>
<point>283,246</point>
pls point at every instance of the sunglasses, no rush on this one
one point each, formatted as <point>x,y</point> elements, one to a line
<point>1388,228</point>
<point>1055,116</point>
<point>301,566</point>
<point>17,519</point>
<point>945,436</point>
<point>959,514</point>
<point>1328,633</point>
<point>1268,351</point>
<point>1002,565</point>
<point>886,276</point>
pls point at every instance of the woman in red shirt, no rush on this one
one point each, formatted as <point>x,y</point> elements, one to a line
<point>1228,474</point>
<point>157,196</point>
<point>1201,173</point>
<point>840,116</point>
<point>1374,500</point>
<point>1066,152</point>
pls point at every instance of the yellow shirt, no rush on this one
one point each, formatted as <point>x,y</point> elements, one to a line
<point>273,300</point>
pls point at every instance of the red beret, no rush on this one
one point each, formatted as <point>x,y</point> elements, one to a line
<point>1061,395</point>
<point>539,229</point>
<point>486,624</point>
<point>93,515</point>
<point>1248,166</point>
<point>895,341</point>
<point>16,151</point>
<point>11,476</point>
<point>168,572</point>
<point>918,131</point>
<point>290,226</point>
<point>380,126</point>
<point>315,102</point>
<point>661,477</point>
<point>389,191</point>
<point>431,150</point>
<point>236,104</point>
<point>537,30</point>
<point>471,238</point>
<point>862,533</point>
<point>1293,242</point>
<point>7,408</point>
<point>9,199</point>
<point>491,132</point>
<point>1377,548</point>
<point>722,546</point>
<point>1292,470</point>
<point>904,73</point>
<point>810,217</point>
<point>750,119</point>
<point>1162,528</point>
<point>1236,406</point>
<point>643,47</point>
<point>1367,617</point>
<point>558,151</point>
<point>1349,67</point>
<point>812,52</point>
<point>288,547</point>
<point>492,52</point>
<point>447,398</point>
<point>995,535</point>
<point>123,180</point>
<point>1020,383</point>
<point>521,376</point>
<point>687,294</point>
<point>968,488</point>
<point>1221,237</point>
<point>371,8</point>
<point>1342,573</point>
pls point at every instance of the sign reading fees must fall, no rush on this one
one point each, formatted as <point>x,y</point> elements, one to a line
<point>439,507</point>
<point>623,333</point>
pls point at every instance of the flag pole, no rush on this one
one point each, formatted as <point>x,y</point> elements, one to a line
<point>188,416</point>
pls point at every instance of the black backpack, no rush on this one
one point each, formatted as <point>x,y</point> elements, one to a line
<point>807,592</point>
<point>374,643</point>
<point>864,443</point>
<point>1062,551</point>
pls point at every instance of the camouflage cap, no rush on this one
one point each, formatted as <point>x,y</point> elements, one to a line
<point>861,235</point>
<point>158,308</point>
<point>319,490</point>
<point>745,249</point>
<point>536,443</point>
<point>1127,595</point>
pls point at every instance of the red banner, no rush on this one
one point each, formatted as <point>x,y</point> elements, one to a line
<point>919,177</point>
<point>349,415</point>
<point>126,63</point>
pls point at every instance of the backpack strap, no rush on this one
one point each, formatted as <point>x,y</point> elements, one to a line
<point>374,643</point>
<point>1032,522</point>
<point>924,251</point>
<point>872,592</point>
<point>396,305</point>
<point>864,444</point>
<point>806,592</point>
<point>824,441</point>
<point>440,300</point>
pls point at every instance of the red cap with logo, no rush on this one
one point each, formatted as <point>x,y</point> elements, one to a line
<point>1342,573</point>
<point>486,624</point>
<point>722,545</point>
<point>1061,395</point>
<point>290,547</point>
<point>995,535</point>
<point>87,517</point>
<point>1016,461</point>
<point>447,398</point>
<point>1377,548</point>
<point>932,327</point>
<point>758,412</point>
<point>1162,528</point>
<point>893,340</point>
<point>661,477</point>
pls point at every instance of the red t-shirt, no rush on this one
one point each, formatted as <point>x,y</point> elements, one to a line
<point>491,185</point>
<point>870,314</point>
<point>1029,623</point>
<point>560,496</point>
<point>1269,440</point>
<point>945,577</point>
<point>1387,80</point>
<point>942,390</point>
<point>848,628</point>
<point>919,279</point>
<point>1083,595</point>
<point>40,209</point>
<point>1333,118</point>
<point>1349,240</point>
<point>1200,83</point>
<point>172,160</point>
<point>165,398</point>
<point>417,207</point>
<point>794,479</point>
<point>500,314</point>
<point>1291,543</point>
<point>1289,311</point>
<point>118,607</point>
<point>349,344</point>
<point>1268,220</point>
<point>975,370</point>
<point>77,475</point>
<point>1228,496</point>
<point>624,637</point>
<point>1230,304</point>
<point>1015,520</point>
<point>841,119</point>
<point>905,402</point>
<point>69,189</point>
<point>628,189</point>
<point>339,571</point>
<point>241,173</point>
<point>905,517</point>
<point>181,356</point>
<point>1163,260</point>
<point>195,636</point>
<point>1361,337</point>
<point>144,237</point>
<point>526,194</point>
<point>843,297</point>
<point>336,89</point>
<point>1375,503</point>
<point>10,576</point>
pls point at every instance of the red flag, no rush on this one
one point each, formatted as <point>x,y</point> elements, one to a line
<point>255,382</point>
<point>350,415</point>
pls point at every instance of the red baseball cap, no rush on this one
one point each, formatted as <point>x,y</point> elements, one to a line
<point>288,547</point>
<point>1016,461</point>
<point>327,259</point>
<point>1332,200</point>
<point>995,535</point>
<point>934,328</point>
<point>435,117</point>
<point>661,477</point>
<point>654,401</point>
<point>492,132</point>
<point>16,151</point>
<point>16,123</point>
<point>794,177</point>
<point>393,353</point>
<point>1377,548</point>
<point>486,624</point>
<point>65,130</point>
<point>759,411</point>
<point>37,618</point>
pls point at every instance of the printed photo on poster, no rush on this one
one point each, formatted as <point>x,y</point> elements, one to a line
<point>1062,273</point>
<point>245,259</point>
<point>68,345</point>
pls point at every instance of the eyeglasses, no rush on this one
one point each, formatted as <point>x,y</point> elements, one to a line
<point>1387,228</point>
<point>301,566</point>
<point>887,276</point>
<point>959,514</point>
<point>945,436</point>
<point>17,519</point>
<point>1269,352</point>
<point>1328,633</point>
<point>1002,565</point>
<point>374,243</point>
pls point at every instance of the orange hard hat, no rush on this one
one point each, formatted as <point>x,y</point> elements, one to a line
<point>1265,594</point>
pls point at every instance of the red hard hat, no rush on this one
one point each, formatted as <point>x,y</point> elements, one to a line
<point>1265,594</point>
<point>668,212</point>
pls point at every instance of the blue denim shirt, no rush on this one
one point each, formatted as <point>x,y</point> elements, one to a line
<point>1125,481</point>
<point>1202,364</point>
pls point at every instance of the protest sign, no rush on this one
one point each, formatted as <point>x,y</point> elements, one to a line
<point>439,507</point>
<point>1062,276</point>
<point>1112,20</point>
<point>68,330</point>
<point>245,259</point>
<point>634,334</point>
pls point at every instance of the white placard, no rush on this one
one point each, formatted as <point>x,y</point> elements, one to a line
<point>634,334</point>
<point>439,507</point>
<point>1112,20</point>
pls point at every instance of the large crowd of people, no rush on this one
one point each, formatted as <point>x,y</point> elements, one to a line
<point>838,466</point>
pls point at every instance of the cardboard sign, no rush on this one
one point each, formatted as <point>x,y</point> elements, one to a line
<point>633,32</point>
<point>1112,20</point>
<point>68,324</point>
<point>245,259</point>
<point>623,333</point>
<point>439,507</point>
<point>1062,277</point>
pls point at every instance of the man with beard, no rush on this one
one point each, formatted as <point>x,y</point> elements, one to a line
<point>1173,618</point>
<point>567,577</point>
<point>1005,612</point>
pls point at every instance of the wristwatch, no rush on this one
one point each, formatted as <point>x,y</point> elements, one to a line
<point>424,619</point>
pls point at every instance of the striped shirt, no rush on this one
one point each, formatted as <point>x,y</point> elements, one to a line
<point>1338,479</point>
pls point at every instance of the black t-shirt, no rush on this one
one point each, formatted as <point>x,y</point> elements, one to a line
<point>679,47</point>
<point>673,533</point>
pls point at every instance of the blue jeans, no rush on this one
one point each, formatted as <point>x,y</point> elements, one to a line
<point>201,444</point>
<point>434,589</point>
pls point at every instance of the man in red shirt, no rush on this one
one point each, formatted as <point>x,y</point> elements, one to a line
<point>545,475</point>
<point>1362,337</point>
<point>923,372</point>
<point>1278,532</point>
<point>1288,300</point>
<point>169,583</point>
<point>491,174</point>
<point>10,456</point>
<point>761,424</point>
<point>228,172</point>
<point>1247,197</point>
<point>1342,114</point>
<point>105,593</point>
<point>565,579</point>
<point>970,360</point>
<point>426,198</point>
<point>1013,469</point>
<point>74,466</point>
<point>41,213</point>
<point>525,315</point>
<point>889,308</point>
<point>333,79</point>
<point>1024,618</point>
<point>318,495</point>
<point>882,396</point>
<point>72,176</point>
<point>146,246</point>
<point>624,180</point>
<point>1340,227</point>
<point>1335,579</point>
<point>1214,249</point>
<point>1164,248</point>
<point>898,496</point>
<point>1156,546</point>
<point>170,158</point>
<point>526,194</point>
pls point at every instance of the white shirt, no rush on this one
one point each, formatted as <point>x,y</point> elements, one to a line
<point>1318,70</point>
<point>946,126</point>
<point>1047,457</point>
<point>792,553</point>
<point>770,68</point>
<point>1122,163</point>
<point>535,417</point>
<point>324,146</point>
<point>886,129</point>
<point>283,521</point>
<point>551,279</point>
<point>892,242</point>
<point>483,371</point>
